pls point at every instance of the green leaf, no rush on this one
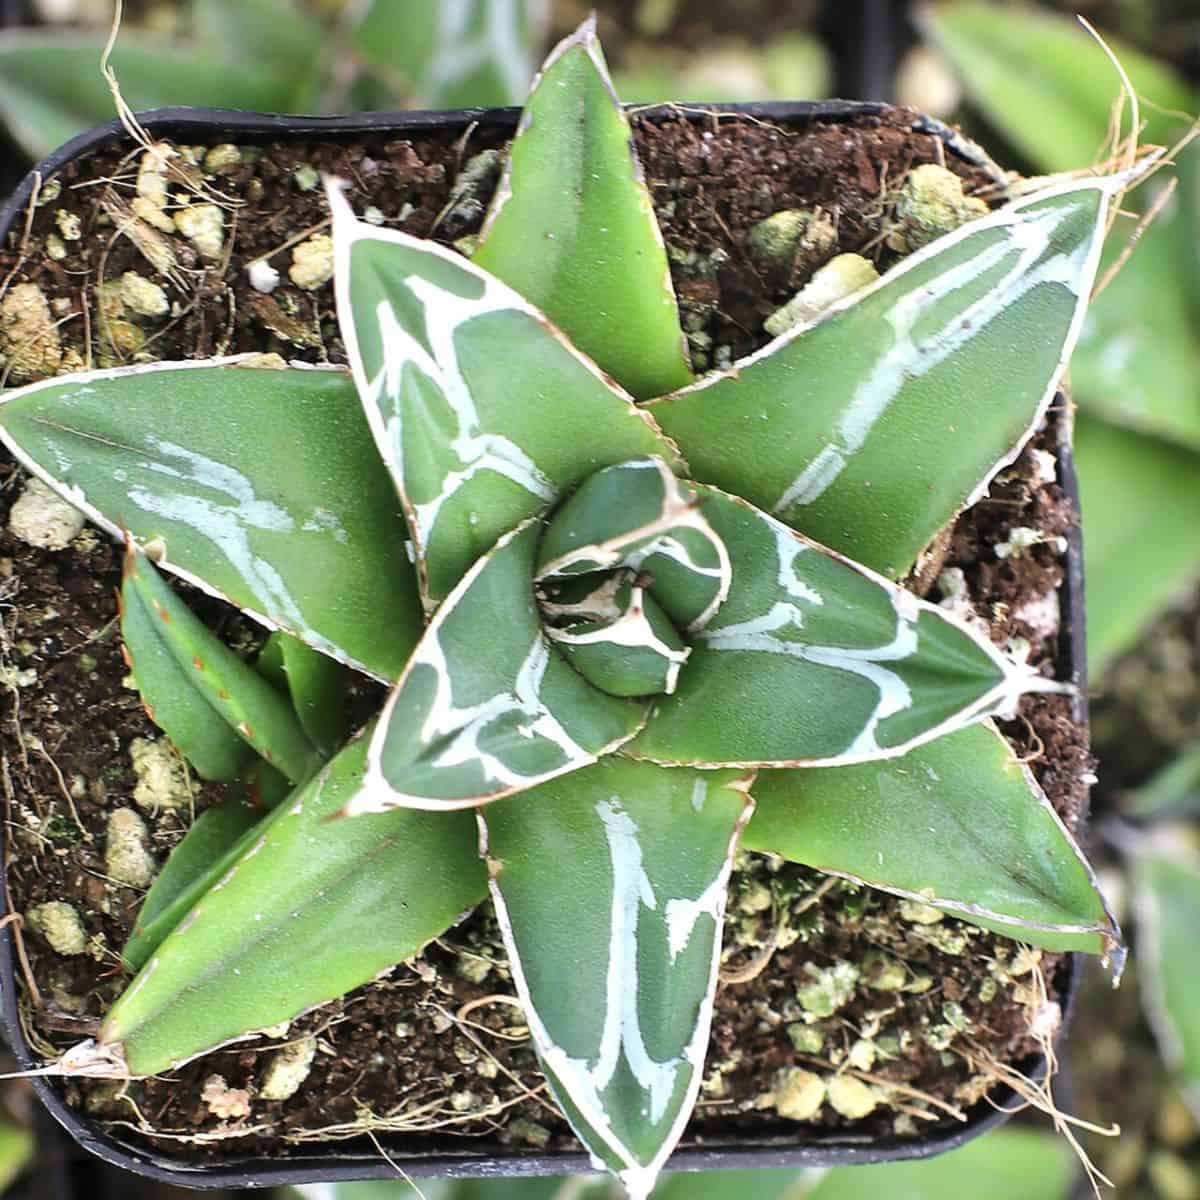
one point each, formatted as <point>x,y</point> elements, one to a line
<point>278,38</point>
<point>51,87</point>
<point>573,188</point>
<point>193,684</point>
<point>1173,791</point>
<point>1167,905</point>
<point>474,53</point>
<point>311,909</point>
<point>193,866</point>
<point>959,824</point>
<point>1043,81</point>
<point>1141,512</point>
<point>616,961</point>
<point>17,1147</point>
<point>474,716</point>
<point>812,660</point>
<point>1001,1165</point>
<point>264,486</point>
<point>483,412</point>
<point>316,685</point>
<point>870,429</point>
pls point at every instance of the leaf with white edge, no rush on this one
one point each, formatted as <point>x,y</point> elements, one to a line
<point>312,908</point>
<point>481,409</point>
<point>475,716</point>
<point>872,427</point>
<point>192,683</point>
<point>261,486</point>
<point>573,187</point>
<point>813,660</point>
<point>959,824</point>
<point>616,961</point>
<point>315,683</point>
<point>1167,907</point>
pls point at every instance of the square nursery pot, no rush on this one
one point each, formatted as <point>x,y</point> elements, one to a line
<point>388,139</point>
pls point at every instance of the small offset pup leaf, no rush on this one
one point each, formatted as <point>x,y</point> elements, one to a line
<point>467,54</point>
<point>959,824</point>
<point>310,909</point>
<point>814,661</point>
<point>51,87</point>
<point>1167,905</point>
<point>616,960</point>
<point>483,412</point>
<point>264,487</point>
<point>573,188</point>
<point>192,683</point>
<point>476,717</point>
<point>316,685</point>
<point>870,429</point>
<point>1143,524</point>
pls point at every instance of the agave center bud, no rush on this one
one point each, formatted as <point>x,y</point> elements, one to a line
<point>628,568</point>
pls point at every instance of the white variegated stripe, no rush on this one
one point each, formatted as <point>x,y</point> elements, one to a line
<point>633,629</point>
<point>222,524</point>
<point>582,1081</point>
<point>1110,186</point>
<point>377,793</point>
<point>476,450</point>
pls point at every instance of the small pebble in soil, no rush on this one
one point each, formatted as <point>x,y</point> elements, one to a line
<point>29,340</point>
<point>263,277</point>
<point>59,925</point>
<point>840,277</point>
<point>223,1101</point>
<point>126,858</point>
<point>312,263</point>
<point>204,226</point>
<point>828,989</point>
<point>70,227</point>
<point>931,203</point>
<point>143,296</point>
<point>529,1132</point>
<point>851,1097</point>
<point>222,157</point>
<point>798,1094</point>
<point>44,519</point>
<point>287,1069</point>
<point>162,780</point>
<point>791,243</point>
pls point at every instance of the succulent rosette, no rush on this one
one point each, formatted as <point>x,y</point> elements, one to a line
<point>620,611</point>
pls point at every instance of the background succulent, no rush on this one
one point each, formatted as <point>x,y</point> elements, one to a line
<point>604,617</point>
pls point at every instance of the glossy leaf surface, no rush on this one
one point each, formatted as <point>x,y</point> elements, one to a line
<point>311,909</point>
<point>484,414</point>
<point>264,486</point>
<point>871,428</point>
<point>959,823</point>
<point>615,961</point>
<point>1141,506</point>
<point>1168,912</point>
<point>476,716</point>
<point>811,660</point>
<point>193,684</point>
<point>573,188</point>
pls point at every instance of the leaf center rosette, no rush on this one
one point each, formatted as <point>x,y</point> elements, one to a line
<point>628,568</point>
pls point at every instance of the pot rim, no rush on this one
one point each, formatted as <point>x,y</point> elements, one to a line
<point>333,1162</point>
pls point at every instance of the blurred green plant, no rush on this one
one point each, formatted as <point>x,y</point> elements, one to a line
<point>1049,88</point>
<point>273,56</point>
<point>999,1166</point>
<point>16,1152</point>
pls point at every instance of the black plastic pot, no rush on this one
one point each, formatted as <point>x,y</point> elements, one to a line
<point>339,1162</point>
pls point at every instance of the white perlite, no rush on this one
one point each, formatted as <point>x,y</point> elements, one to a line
<point>312,263</point>
<point>223,1101</point>
<point>204,226</point>
<point>126,858</point>
<point>287,1069</point>
<point>42,518</point>
<point>59,925</point>
<point>162,781</point>
<point>263,277</point>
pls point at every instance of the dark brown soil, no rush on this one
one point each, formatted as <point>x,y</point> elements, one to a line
<point>405,1049</point>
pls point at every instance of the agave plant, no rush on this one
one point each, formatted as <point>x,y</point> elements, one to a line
<point>614,617</point>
